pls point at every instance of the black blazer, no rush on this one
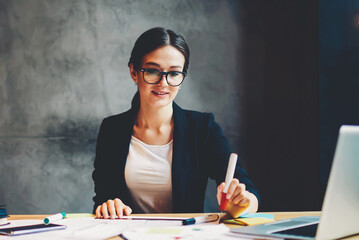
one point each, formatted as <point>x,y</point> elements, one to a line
<point>199,151</point>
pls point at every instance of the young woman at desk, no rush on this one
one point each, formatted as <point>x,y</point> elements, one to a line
<point>157,157</point>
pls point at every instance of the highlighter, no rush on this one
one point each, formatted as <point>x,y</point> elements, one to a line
<point>229,177</point>
<point>54,218</point>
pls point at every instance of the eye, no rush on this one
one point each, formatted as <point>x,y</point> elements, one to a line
<point>174,74</point>
<point>152,71</point>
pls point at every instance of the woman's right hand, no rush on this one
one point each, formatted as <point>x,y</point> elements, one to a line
<point>112,208</point>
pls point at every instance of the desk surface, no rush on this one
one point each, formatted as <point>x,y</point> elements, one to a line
<point>277,216</point>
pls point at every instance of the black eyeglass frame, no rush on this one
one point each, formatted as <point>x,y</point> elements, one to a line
<point>143,70</point>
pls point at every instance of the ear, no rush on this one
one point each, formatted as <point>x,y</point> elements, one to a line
<point>134,73</point>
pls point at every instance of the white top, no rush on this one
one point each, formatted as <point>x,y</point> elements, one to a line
<point>148,176</point>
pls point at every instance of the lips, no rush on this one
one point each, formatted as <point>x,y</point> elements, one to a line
<point>160,93</point>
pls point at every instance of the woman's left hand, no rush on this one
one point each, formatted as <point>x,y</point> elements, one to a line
<point>238,195</point>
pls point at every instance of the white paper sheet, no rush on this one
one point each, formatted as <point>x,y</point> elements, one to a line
<point>81,228</point>
<point>206,231</point>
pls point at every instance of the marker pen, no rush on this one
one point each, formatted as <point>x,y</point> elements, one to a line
<point>54,217</point>
<point>201,219</point>
<point>229,177</point>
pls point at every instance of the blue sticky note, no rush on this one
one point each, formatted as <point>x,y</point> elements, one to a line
<point>261,215</point>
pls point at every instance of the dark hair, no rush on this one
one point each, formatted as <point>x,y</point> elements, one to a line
<point>155,38</point>
<point>150,41</point>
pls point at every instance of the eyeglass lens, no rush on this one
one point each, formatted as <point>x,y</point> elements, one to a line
<point>154,76</point>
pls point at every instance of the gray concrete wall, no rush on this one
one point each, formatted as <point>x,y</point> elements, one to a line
<point>63,68</point>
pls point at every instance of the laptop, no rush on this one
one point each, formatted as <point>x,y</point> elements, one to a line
<point>340,212</point>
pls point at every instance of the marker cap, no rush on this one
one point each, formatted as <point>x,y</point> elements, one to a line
<point>224,202</point>
<point>189,221</point>
<point>55,217</point>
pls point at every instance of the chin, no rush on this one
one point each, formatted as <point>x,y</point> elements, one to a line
<point>161,103</point>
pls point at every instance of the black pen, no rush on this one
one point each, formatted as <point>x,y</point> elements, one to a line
<point>201,219</point>
<point>123,237</point>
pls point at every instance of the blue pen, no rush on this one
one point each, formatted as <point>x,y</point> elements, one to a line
<point>201,219</point>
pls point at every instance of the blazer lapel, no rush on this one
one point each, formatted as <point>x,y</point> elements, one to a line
<point>180,159</point>
<point>122,142</point>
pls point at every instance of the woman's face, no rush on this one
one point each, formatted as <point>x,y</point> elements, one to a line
<point>165,59</point>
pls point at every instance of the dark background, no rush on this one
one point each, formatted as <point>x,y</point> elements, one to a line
<point>338,75</point>
<point>280,76</point>
<point>281,101</point>
<point>302,84</point>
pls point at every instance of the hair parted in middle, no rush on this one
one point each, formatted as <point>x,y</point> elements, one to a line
<point>155,38</point>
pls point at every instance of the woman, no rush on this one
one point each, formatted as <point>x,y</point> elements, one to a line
<point>157,157</point>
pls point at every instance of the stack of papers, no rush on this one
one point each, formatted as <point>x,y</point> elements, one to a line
<point>95,229</point>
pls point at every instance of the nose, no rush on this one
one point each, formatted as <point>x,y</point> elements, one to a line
<point>163,81</point>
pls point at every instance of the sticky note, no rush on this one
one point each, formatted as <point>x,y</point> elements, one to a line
<point>258,215</point>
<point>249,221</point>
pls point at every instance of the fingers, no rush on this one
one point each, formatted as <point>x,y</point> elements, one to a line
<point>112,209</point>
<point>237,193</point>
<point>127,210</point>
<point>241,199</point>
<point>121,208</point>
<point>104,210</point>
<point>98,211</point>
<point>244,201</point>
<point>232,187</point>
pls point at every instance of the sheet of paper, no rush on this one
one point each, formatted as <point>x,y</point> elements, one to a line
<point>153,218</point>
<point>87,228</point>
<point>78,228</point>
<point>79,215</point>
<point>206,231</point>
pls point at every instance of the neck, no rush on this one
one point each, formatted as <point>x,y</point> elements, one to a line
<point>154,118</point>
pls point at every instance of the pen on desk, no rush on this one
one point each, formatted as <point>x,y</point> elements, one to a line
<point>201,219</point>
<point>123,237</point>
<point>229,177</point>
<point>54,217</point>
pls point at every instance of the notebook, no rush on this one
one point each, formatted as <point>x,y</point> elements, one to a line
<point>340,212</point>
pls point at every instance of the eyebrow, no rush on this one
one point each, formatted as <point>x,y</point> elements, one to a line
<point>157,65</point>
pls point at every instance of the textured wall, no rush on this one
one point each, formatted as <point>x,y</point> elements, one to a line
<point>63,68</point>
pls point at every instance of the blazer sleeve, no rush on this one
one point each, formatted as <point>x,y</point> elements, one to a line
<point>99,175</point>
<point>217,151</point>
<point>107,174</point>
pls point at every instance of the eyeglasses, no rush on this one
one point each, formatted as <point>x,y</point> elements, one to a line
<point>154,76</point>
